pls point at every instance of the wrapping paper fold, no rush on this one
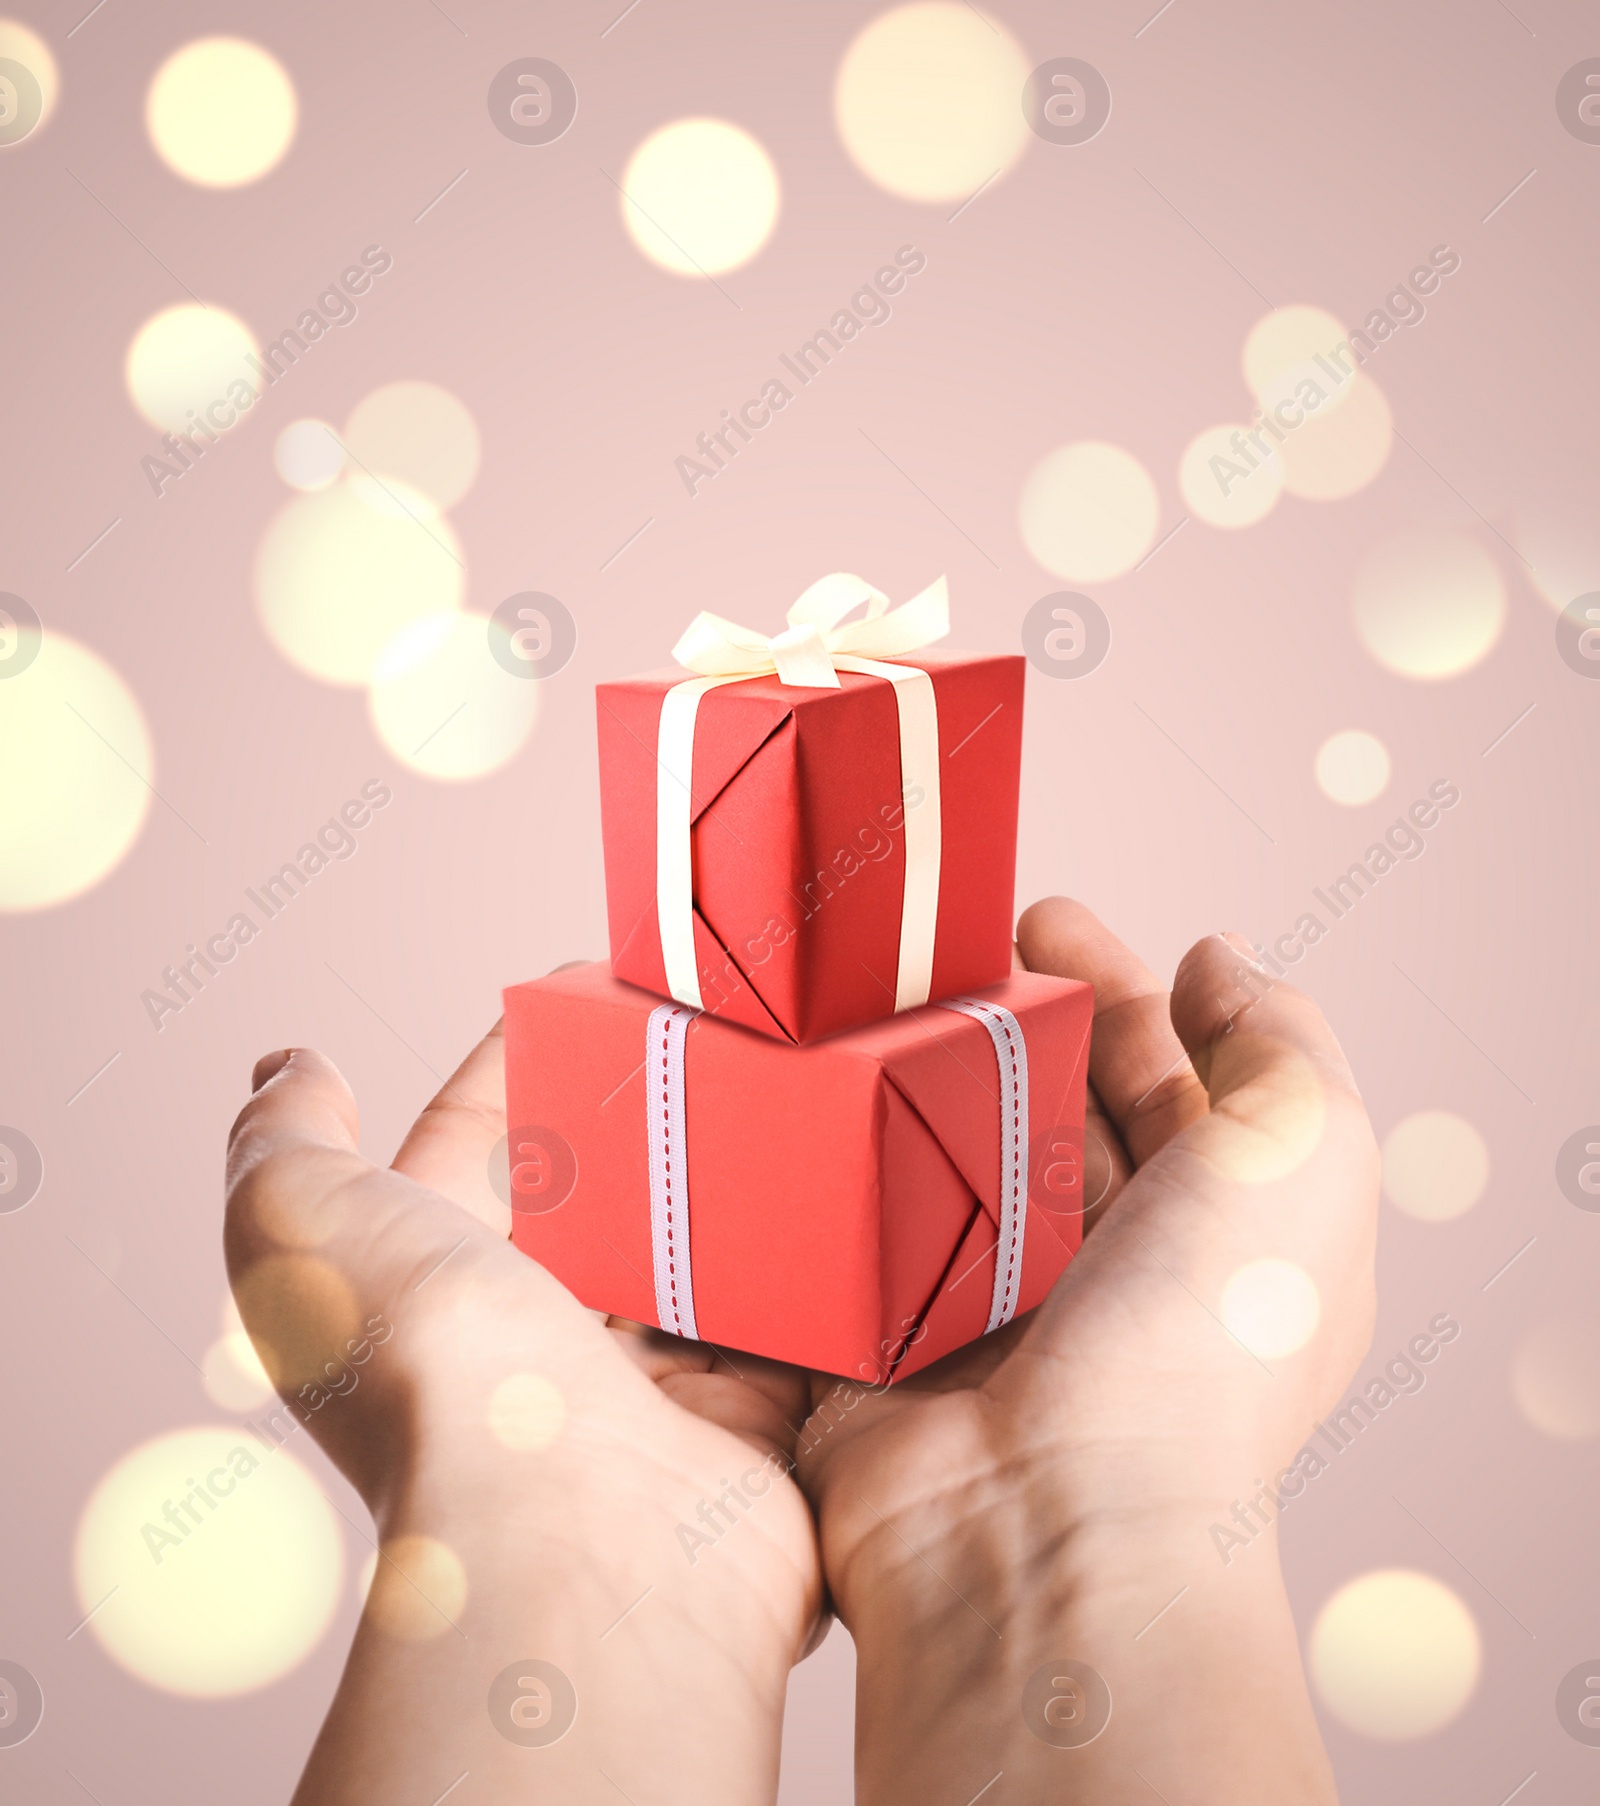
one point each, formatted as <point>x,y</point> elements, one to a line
<point>842,1202</point>
<point>798,840</point>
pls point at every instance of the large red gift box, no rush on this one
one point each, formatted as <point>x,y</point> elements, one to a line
<point>861,1206</point>
<point>799,806</point>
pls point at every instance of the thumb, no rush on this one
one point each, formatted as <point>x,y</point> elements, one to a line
<point>1281,1092</point>
<point>319,1241</point>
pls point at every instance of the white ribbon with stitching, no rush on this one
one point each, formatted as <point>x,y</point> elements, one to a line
<point>1011,1056</point>
<point>669,1167</point>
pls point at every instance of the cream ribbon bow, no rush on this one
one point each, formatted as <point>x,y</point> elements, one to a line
<point>817,645</point>
<point>806,654</point>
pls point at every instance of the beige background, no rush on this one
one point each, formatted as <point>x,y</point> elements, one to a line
<point>1321,153</point>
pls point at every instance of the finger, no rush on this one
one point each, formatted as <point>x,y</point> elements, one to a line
<point>1106,1166</point>
<point>298,1185</point>
<point>1137,1064</point>
<point>292,1167</point>
<point>449,1145</point>
<point>758,1400</point>
<point>779,1396</point>
<point>300,1106</point>
<point>1280,1087</point>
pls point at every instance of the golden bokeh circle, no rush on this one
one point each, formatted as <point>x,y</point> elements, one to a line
<point>214,1562</point>
<point>928,100</point>
<point>233,1375</point>
<point>78,765</point>
<point>1395,1654</point>
<point>444,706</point>
<point>421,435</point>
<point>1555,1378</point>
<point>221,112</point>
<point>1341,446</point>
<point>188,370</point>
<point>20,43</point>
<point>1429,603</point>
<point>526,1411</point>
<point>700,196</point>
<point>1088,511</point>
<point>1275,1114</point>
<point>308,454</point>
<point>301,1315</point>
<point>1229,479</point>
<point>418,1589</point>
<point>1435,1166</point>
<point>1352,767</point>
<point>342,570</point>
<point>1272,1307</point>
<point>1284,347</point>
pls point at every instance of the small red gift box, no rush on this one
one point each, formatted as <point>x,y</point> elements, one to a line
<point>861,1206</point>
<point>811,850</point>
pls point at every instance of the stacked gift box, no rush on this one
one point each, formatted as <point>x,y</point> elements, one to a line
<point>808,1111</point>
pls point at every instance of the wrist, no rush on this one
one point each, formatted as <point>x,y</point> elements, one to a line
<point>1047,1526</point>
<point>1092,1644</point>
<point>516,1593</point>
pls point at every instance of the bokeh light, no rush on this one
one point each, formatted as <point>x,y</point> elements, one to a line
<point>1429,603</point>
<point>1283,1126</point>
<point>420,434</point>
<point>928,100</point>
<point>221,112</point>
<point>1352,767</point>
<point>700,196</point>
<point>1395,1654</point>
<point>444,706</point>
<point>1555,1378</point>
<point>1271,1306</point>
<point>1088,511</point>
<point>340,572</point>
<point>301,1314</point>
<point>1340,446</point>
<point>20,43</point>
<point>308,454</point>
<point>1558,532</point>
<point>1304,389</point>
<point>526,1411</point>
<point>1229,480</point>
<point>418,1589</point>
<point>233,1375</point>
<point>1282,350</point>
<point>1435,1166</point>
<point>189,359</point>
<point>70,806</point>
<point>214,1562</point>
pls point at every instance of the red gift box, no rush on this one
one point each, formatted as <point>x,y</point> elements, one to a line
<point>800,808</point>
<point>861,1206</point>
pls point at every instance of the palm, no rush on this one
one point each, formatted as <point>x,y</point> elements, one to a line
<point>1128,1356</point>
<point>427,1249</point>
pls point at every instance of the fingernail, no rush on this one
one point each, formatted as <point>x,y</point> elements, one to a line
<point>269,1065</point>
<point>1233,939</point>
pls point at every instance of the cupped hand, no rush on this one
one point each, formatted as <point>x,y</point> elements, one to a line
<point>1234,1178</point>
<point>447,1374</point>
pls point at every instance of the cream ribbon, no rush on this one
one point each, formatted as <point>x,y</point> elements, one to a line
<point>815,647</point>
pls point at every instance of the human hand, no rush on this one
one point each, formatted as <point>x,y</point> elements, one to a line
<point>1048,1491</point>
<point>459,1345</point>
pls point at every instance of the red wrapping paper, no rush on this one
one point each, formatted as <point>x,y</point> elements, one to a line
<point>843,1197</point>
<point>799,848</point>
